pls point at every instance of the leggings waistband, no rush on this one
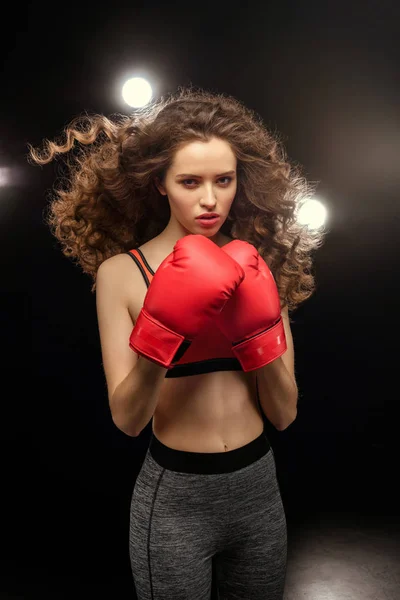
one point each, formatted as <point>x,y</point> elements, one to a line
<point>208,462</point>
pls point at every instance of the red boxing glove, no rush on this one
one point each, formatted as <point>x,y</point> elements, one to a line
<point>191,286</point>
<point>252,319</point>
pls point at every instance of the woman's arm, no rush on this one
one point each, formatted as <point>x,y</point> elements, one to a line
<point>277,384</point>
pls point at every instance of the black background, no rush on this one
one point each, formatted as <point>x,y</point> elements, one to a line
<point>326,75</point>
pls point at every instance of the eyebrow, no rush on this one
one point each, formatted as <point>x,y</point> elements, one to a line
<point>191,174</point>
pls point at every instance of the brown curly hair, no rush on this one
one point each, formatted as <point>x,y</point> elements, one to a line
<point>109,203</point>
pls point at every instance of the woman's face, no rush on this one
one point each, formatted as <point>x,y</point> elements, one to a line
<point>201,179</point>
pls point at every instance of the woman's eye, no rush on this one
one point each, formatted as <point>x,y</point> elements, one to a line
<point>186,181</point>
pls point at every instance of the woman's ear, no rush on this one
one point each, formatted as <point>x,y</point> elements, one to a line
<point>160,186</point>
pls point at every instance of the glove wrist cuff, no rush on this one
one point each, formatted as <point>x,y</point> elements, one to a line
<point>156,342</point>
<point>261,349</point>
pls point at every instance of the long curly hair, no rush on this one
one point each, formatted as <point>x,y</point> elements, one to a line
<point>108,202</point>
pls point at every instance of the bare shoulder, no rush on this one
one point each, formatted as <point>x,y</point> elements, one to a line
<point>121,274</point>
<point>116,268</point>
<point>115,263</point>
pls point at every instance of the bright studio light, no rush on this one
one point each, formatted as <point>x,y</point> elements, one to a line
<point>313,214</point>
<point>137,92</point>
<point>5,176</point>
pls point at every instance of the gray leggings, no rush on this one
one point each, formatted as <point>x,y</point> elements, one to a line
<point>195,513</point>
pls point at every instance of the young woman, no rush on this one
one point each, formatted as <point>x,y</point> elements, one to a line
<point>207,347</point>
